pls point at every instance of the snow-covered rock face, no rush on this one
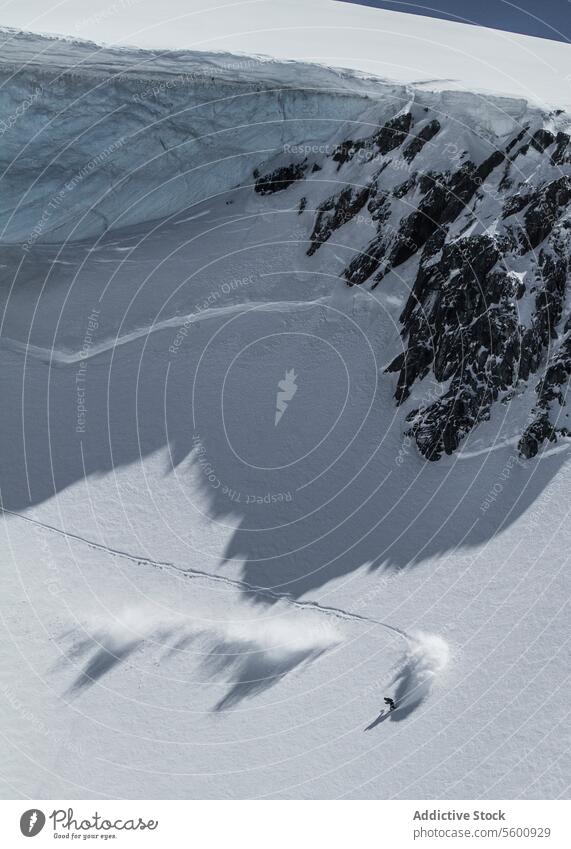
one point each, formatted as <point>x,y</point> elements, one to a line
<point>477,228</point>
<point>465,198</point>
<point>100,138</point>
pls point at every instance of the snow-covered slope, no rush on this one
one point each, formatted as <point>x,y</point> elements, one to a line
<point>97,138</point>
<point>445,186</point>
<point>475,227</point>
<point>203,598</point>
<point>409,48</point>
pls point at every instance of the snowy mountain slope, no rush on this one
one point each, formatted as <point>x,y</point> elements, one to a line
<point>202,602</point>
<point>470,551</point>
<point>478,232</point>
<point>478,187</point>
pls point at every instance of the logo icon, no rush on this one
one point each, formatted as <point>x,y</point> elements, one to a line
<point>286,390</point>
<point>32,822</point>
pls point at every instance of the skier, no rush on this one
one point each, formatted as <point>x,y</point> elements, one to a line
<point>390,703</point>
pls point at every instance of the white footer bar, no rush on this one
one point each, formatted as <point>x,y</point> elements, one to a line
<point>286,824</point>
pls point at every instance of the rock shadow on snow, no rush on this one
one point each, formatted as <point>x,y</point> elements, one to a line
<point>344,491</point>
<point>251,669</point>
<point>244,658</point>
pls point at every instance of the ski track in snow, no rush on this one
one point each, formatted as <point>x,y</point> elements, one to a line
<point>62,357</point>
<point>337,612</point>
<point>410,681</point>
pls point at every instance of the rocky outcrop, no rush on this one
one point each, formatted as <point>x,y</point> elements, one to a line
<point>535,435</point>
<point>280,179</point>
<point>483,243</point>
<point>551,398</point>
<point>393,134</point>
<point>336,211</point>
<point>548,206</point>
<point>425,135</point>
<point>390,136</point>
<point>561,154</point>
<point>460,321</point>
<point>540,141</point>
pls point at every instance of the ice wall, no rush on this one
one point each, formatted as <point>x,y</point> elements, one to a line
<point>94,139</point>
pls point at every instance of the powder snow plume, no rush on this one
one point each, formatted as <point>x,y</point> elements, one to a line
<point>251,653</point>
<point>427,657</point>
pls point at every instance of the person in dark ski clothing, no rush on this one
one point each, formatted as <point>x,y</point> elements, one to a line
<point>390,703</point>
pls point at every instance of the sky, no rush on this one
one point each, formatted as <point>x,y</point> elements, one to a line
<point>543,18</point>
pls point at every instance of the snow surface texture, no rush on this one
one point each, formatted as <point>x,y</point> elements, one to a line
<point>201,598</point>
<point>433,54</point>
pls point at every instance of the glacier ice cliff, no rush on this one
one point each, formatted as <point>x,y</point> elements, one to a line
<point>97,138</point>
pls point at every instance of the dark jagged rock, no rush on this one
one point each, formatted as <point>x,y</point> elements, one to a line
<point>535,435</point>
<point>336,211</point>
<point>441,427</point>
<point>404,188</point>
<point>542,139</point>
<point>549,300</point>
<point>347,150</point>
<point>419,226</point>
<point>441,205</point>
<point>551,388</point>
<point>365,263</point>
<point>379,206</point>
<point>465,327</point>
<point>475,250</point>
<point>280,179</point>
<point>390,136</point>
<point>551,275</point>
<point>465,182</point>
<point>516,139</point>
<point>561,154</point>
<point>516,203</point>
<point>556,376</point>
<point>302,205</point>
<point>393,134</point>
<point>461,321</point>
<point>545,210</point>
<point>425,135</point>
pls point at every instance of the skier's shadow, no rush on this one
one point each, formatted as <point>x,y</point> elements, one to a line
<point>384,714</point>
